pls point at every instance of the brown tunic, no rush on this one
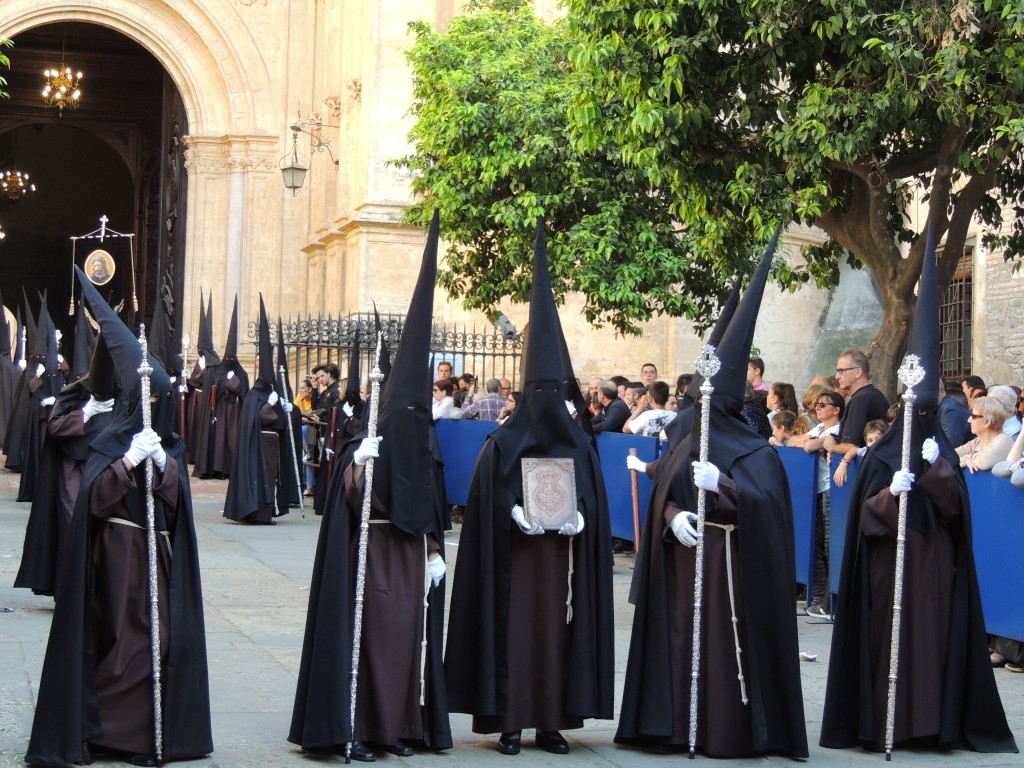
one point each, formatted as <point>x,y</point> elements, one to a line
<point>225,430</point>
<point>70,424</point>
<point>388,705</point>
<point>120,608</point>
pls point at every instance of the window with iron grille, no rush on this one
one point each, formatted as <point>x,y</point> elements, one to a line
<point>956,318</point>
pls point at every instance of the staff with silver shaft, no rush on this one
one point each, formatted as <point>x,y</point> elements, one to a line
<point>291,439</point>
<point>145,371</point>
<point>707,366</point>
<point>910,374</point>
<point>364,533</point>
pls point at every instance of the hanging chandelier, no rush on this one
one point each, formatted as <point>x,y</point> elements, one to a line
<point>14,185</point>
<point>61,89</point>
<point>2,233</point>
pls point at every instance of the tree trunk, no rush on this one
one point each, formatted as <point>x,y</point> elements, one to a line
<point>889,346</point>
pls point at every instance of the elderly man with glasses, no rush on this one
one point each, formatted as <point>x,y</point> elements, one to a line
<point>865,402</point>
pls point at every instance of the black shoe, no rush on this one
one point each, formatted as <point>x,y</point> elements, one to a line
<point>143,760</point>
<point>359,752</point>
<point>398,749</point>
<point>509,743</point>
<point>553,742</point>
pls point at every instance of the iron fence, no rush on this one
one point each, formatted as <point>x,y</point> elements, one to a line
<point>312,341</point>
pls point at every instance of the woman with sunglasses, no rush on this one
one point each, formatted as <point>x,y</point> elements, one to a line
<point>990,444</point>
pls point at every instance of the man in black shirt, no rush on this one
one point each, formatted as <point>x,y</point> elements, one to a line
<point>616,412</point>
<point>864,404</point>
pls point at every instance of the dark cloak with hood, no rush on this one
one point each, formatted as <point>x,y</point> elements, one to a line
<point>252,487</point>
<point>206,413</point>
<point>84,345</point>
<point>68,709</point>
<point>288,487</point>
<point>38,390</point>
<point>408,490</point>
<point>9,372</point>
<point>953,696</point>
<point>17,424</point>
<point>483,595</point>
<point>345,426</point>
<point>65,450</point>
<point>230,396</point>
<point>656,696</point>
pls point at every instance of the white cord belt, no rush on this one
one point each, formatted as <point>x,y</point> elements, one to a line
<point>732,605</point>
<point>130,524</point>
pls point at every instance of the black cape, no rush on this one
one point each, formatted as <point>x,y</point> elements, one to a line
<point>66,707</point>
<point>249,486</point>
<point>320,717</point>
<point>972,713</point>
<point>204,425</point>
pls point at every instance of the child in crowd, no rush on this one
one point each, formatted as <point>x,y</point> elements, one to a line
<point>872,431</point>
<point>784,426</point>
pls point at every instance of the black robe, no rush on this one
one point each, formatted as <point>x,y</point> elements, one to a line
<point>9,377</point>
<point>476,660</point>
<point>252,487</point>
<point>72,698</point>
<point>205,425</point>
<point>37,415</point>
<point>17,424</point>
<point>953,703</point>
<point>231,394</point>
<point>320,717</point>
<point>656,696</point>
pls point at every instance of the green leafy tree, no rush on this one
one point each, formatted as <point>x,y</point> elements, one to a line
<point>5,63</point>
<point>836,113</point>
<point>492,151</point>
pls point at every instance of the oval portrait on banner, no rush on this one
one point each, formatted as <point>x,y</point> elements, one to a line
<point>99,267</point>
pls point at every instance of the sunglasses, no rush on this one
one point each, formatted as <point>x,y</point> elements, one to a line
<point>825,405</point>
<point>976,416</point>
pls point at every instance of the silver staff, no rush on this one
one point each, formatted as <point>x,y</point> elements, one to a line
<point>291,439</point>
<point>364,532</point>
<point>24,345</point>
<point>707,366</point>
<point>910,374</point>
<point>145,371</point>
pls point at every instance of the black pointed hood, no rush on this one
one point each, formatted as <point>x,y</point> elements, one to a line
<point>161,340</point>
<point>541,424</point>
<point>19,342</point>
<point>5,331</point>
<point>352,383</point>
<point>924,333</point>
<point>680,426</point>
<point>126,355</point>
<point>404,473</point>
<point>52,380</point>
<point>206,348</point>
<point>282,364</point>
<point>30,326</point>
<point>101,378</point>
<point>265,375</point>
<point>85,344</point>
<point>385,353</point>
<point>231,345</point>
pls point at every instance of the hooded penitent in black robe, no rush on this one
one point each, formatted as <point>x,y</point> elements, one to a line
<point>9,371</point>
<point>514,660</point>
<point>753,495</point>
<point>289,486</point>
<point>252,487</point>
<point>18,424</point>
<point>231,385</point>
<point>96,684</point>
<point>401,691</point>
<point>65,449</point>
<point>207,398</point>
<point>946,695</point>
<point>41,389</point>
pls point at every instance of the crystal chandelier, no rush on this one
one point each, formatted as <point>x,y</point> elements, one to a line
<point>61,88</point>
<point>14,185</point>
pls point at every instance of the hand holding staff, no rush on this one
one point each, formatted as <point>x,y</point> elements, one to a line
<point>911,374</point>
<point>145,371</point>
<point>364,532</point>
<point>707,366</point>
<point>634,481</point>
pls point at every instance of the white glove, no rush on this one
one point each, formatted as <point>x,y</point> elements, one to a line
<point>273,398</point>
<point>571,530</point>
<point>182,389</point>
<point>705,475</point>
<point>158,453</point>
<point>683,528</point>
<point>60,358</point>
<point>58,334</point>
<point>286,405</point>
<point>329,452</point>
<point>930,450</point>
<point>368,449</point>
<point>571,408</point>
<point>40,370</point>
<point>635,464</point>
<point>48,401</point>
<point>347,408</point>
<point>902,482</point>
<point>22,364</point>
<point>230,375</point>
<point>436,569</point>
<point>519,515</point>
<point>93,406</point>
<point>142,446</point>
<point>201,362</point>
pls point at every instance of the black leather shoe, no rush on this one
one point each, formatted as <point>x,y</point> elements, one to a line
<point>143,760</point>
<point>553,742</point>
<point>398,749</point>
<point>360,752</point>
<point>509,743</point>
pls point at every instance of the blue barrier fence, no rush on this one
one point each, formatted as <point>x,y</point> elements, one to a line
<point>998,512</point>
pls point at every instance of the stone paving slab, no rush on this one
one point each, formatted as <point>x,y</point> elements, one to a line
<point>256,586</point>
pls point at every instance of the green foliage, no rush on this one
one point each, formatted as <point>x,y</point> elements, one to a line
<point>831,113</point>
<point>5,63</point>
<point>493,151</point>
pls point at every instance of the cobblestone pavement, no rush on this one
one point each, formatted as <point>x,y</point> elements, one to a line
<point>255,585</point>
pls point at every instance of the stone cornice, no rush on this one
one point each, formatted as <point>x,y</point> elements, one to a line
<point>231,154</point>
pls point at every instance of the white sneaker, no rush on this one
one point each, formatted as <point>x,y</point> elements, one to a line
<point>816,611</point>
